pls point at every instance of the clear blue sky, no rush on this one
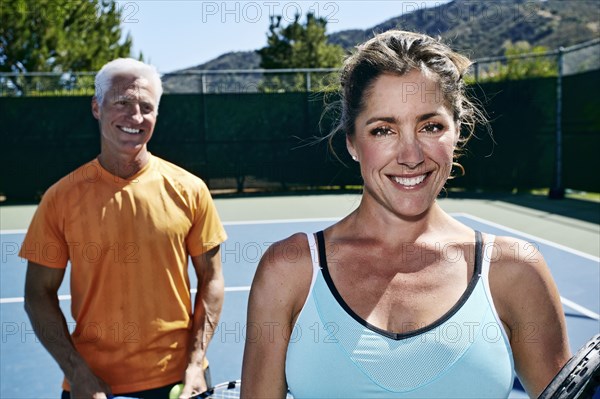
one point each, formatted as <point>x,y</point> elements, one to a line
<point>179,34</point>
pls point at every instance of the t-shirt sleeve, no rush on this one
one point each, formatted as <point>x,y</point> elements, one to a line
<point>207,230</point>
<point>44,242</point>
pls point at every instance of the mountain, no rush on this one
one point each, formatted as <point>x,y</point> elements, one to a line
<point>189,81</point>
<point>475,28</point>
<point>480,28</point>
<point>231,60</point>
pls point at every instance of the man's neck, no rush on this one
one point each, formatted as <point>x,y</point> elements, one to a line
<point>124,166</point>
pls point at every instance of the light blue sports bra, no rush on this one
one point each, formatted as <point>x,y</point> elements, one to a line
<point>333,353</point>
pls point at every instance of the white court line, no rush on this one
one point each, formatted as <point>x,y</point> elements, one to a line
<point>17,231</point>
<point>567,302</point>
<point>581,309</point>
<point>573,305</point>
<point>12,300</point>
<point>459,214</point>
<point>228,289</point>
<point>529,236</point>
<point>231,223</point>
<point>280,221</point>
<point>68,297</point>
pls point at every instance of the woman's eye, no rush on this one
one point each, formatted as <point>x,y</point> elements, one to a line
<point>381,131</point>
<point>433,128</point>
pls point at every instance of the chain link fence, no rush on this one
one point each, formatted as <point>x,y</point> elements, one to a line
<point>564,62</point>
<point>567,61</point>
<point>40,84</point>
<point>257,129</point>
<point>249,81</point>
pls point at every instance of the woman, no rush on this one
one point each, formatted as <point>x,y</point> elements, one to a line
<point>399,299</point>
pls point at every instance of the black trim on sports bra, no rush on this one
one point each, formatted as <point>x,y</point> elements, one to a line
<point>393,335</point>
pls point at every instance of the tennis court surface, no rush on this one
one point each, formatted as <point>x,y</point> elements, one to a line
<point>27,371</point>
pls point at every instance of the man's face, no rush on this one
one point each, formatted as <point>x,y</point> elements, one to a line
<point>127,115</point>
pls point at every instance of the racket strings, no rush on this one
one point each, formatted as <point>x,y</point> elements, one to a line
<point>227,390</point>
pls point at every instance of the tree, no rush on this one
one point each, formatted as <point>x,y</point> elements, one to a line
<point>538,65</point>
<point>523,61</point>
<point>298,46</point>
<point>60,35</point>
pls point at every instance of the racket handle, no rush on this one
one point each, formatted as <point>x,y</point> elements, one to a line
<point>204,394</point>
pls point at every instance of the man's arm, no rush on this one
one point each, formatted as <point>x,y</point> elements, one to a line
<point>48,321</point>
<point>207,311</point>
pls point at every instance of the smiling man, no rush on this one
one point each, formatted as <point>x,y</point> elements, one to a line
<point>128,230</point>
<point>126,116</point>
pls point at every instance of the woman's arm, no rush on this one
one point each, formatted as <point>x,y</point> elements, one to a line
<point>529,304</point>
<point>279,289</point>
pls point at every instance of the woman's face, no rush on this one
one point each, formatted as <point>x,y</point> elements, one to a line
<point>404,139</point>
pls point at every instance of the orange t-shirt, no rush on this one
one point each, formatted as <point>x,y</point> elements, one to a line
<point>128,242</point>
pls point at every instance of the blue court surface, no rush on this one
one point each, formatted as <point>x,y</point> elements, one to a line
<point>28,371</point>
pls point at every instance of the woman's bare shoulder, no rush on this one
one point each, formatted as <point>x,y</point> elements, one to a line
<point>284,273</point>
<point>521,283</point>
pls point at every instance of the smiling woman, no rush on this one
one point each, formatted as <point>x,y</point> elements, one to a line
<point>404,142</point>
<point>393,314</point>
<point>441,82</point>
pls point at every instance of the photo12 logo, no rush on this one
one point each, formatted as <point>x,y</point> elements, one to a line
<point>87,12</point>
<point>255,12</point>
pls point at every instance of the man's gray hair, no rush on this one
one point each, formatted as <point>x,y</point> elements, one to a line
<point>123,66</point>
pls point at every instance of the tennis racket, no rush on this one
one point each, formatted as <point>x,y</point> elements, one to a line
<point>580,377</point>
<point>226,390</point>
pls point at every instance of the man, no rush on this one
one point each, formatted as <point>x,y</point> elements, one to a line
<point>127,222</point>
